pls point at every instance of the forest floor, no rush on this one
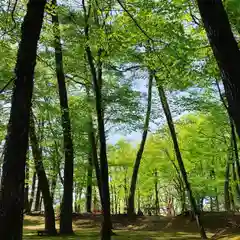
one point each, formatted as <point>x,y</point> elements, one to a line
<point>217,225</point>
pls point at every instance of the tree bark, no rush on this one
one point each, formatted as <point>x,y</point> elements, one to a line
<point>225,50</point>
<point>13,174</point>
<point>171,126</point>
<point>42,181</point>
<point>131,197</point>
<point>66,206</point>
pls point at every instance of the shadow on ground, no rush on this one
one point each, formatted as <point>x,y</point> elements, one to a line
<point>218,226</point>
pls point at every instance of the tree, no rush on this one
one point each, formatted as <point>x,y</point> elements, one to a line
<point>12,183</point>
<point>131,198</point>
<point>42,180</point>
<point>168,116</point>
<point>66,205</point>
<point>225,50</point>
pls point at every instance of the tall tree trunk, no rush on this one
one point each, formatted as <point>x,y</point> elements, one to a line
<point>93,144</point>
<point>32,190</point>
<point>42,181</point>
<point>225,50</point>
<point>13,174</point>
<point>67,201</point>
<point>37,198</point>
<point>168,116</point>
<point>131,201</point>
<point>97,86</point>
<point>89,183</point>
<point>26,190</point>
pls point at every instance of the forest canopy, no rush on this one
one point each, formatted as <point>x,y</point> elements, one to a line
<point>118,107</point>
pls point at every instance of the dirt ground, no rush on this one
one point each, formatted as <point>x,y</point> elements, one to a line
<point>218,226</point>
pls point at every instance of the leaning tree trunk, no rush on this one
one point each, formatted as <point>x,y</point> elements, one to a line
<point>66,206</point>
<point>13,173</point>
<point>171,126</point>
<point>131,208</point>
<point>97,86</point>
<point>225,50</point>
<point>42,181</point>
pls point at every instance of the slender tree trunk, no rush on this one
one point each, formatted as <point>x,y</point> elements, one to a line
<point>225,50</point>
<point>26,190</point>
<point>42,181</point>
<point>89,183</point>
<point>37,198</point>
<point>131,208</point>
<point>66,206</point>
<point>13,173</point>
<point>32,190</point>
<point>92,143</point>
<point>168,115</point>
<point>97,85</point>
